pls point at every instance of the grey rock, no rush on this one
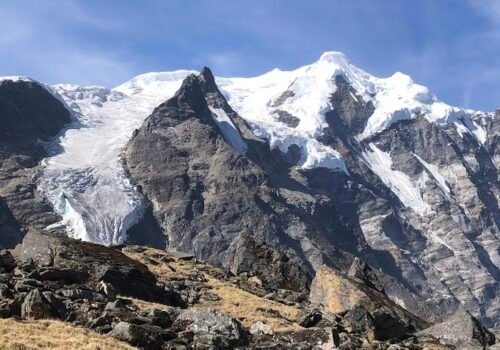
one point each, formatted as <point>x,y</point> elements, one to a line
<point>161,318</point>
<point>102,321</point>
<point>358,320</point>
<point>461,330</point>
<point>26,285</point>
<point>5,292</point>
<point>36,306</point>
<point>260,327</point>
<point>7,261</point>
<point>142,336</point>
<point>208,197</point>
<point>360,271</point>
<point>67,275</point>
<point>287,118</point>
<point>212,328</point>
<point>83,294</point>
<point>117,304</point>
<point>10,308</point>
<point>309,318</point>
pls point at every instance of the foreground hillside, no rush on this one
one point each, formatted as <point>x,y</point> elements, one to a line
<point>152,299</point>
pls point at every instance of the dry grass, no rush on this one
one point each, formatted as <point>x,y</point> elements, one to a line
<point>55,335</point>
<point>235,302</point>
<point>249,308</point>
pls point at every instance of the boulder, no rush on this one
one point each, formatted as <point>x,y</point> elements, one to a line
<point>275,269</point>
<point>76,293</point>
<point>260,327</point>
<point>338,294</point>
<point>461,330</point>
<point>7,261</point>
<point>334,292</point>
<point>211,328</point>
<point>104,320</point>
<point>10,308</point>
<point>363,273</point>
<point>160,318</point>
<point>27,284</point>
<point>359,320</point>
<point>309,318</point>
<point>311,338</point>
<point>36,306</point>
<point>142,336</point>
<point>69,276</point>
<point>5,292</point>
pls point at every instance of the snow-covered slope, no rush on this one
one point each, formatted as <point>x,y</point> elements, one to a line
<point>305,92</point>
<point>87,184</point>
<point>15,78</point>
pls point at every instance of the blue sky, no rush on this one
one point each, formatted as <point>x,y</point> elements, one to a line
<point>451,46</point>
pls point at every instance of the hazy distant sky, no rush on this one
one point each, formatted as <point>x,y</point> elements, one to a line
<point>451,46</point>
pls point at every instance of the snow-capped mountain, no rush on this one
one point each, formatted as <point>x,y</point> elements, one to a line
<point>87,184</point>
<point>324,162</point>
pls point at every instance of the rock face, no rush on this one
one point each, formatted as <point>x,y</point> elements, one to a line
<point>461,330</point>
<point>29,116</point>
<point>363,305</point>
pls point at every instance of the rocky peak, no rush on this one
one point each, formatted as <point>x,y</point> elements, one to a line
<point>189,95</point>
<point>207,81</point>
<point>29,112</point>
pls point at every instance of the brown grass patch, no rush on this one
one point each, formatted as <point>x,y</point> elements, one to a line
<point>235,302</point>
<point>55,335</point>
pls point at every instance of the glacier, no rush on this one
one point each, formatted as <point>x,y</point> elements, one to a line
<point>83,177</point>
<point>85,181</point>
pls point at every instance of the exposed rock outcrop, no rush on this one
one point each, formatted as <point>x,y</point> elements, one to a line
<point>365,307</point>
<point>29,116</point>
<point>75,262</point>
<point>462,330</point>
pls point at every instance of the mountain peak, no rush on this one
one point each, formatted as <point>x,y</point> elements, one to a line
<point>207,80</point>
<point>333,57</point>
